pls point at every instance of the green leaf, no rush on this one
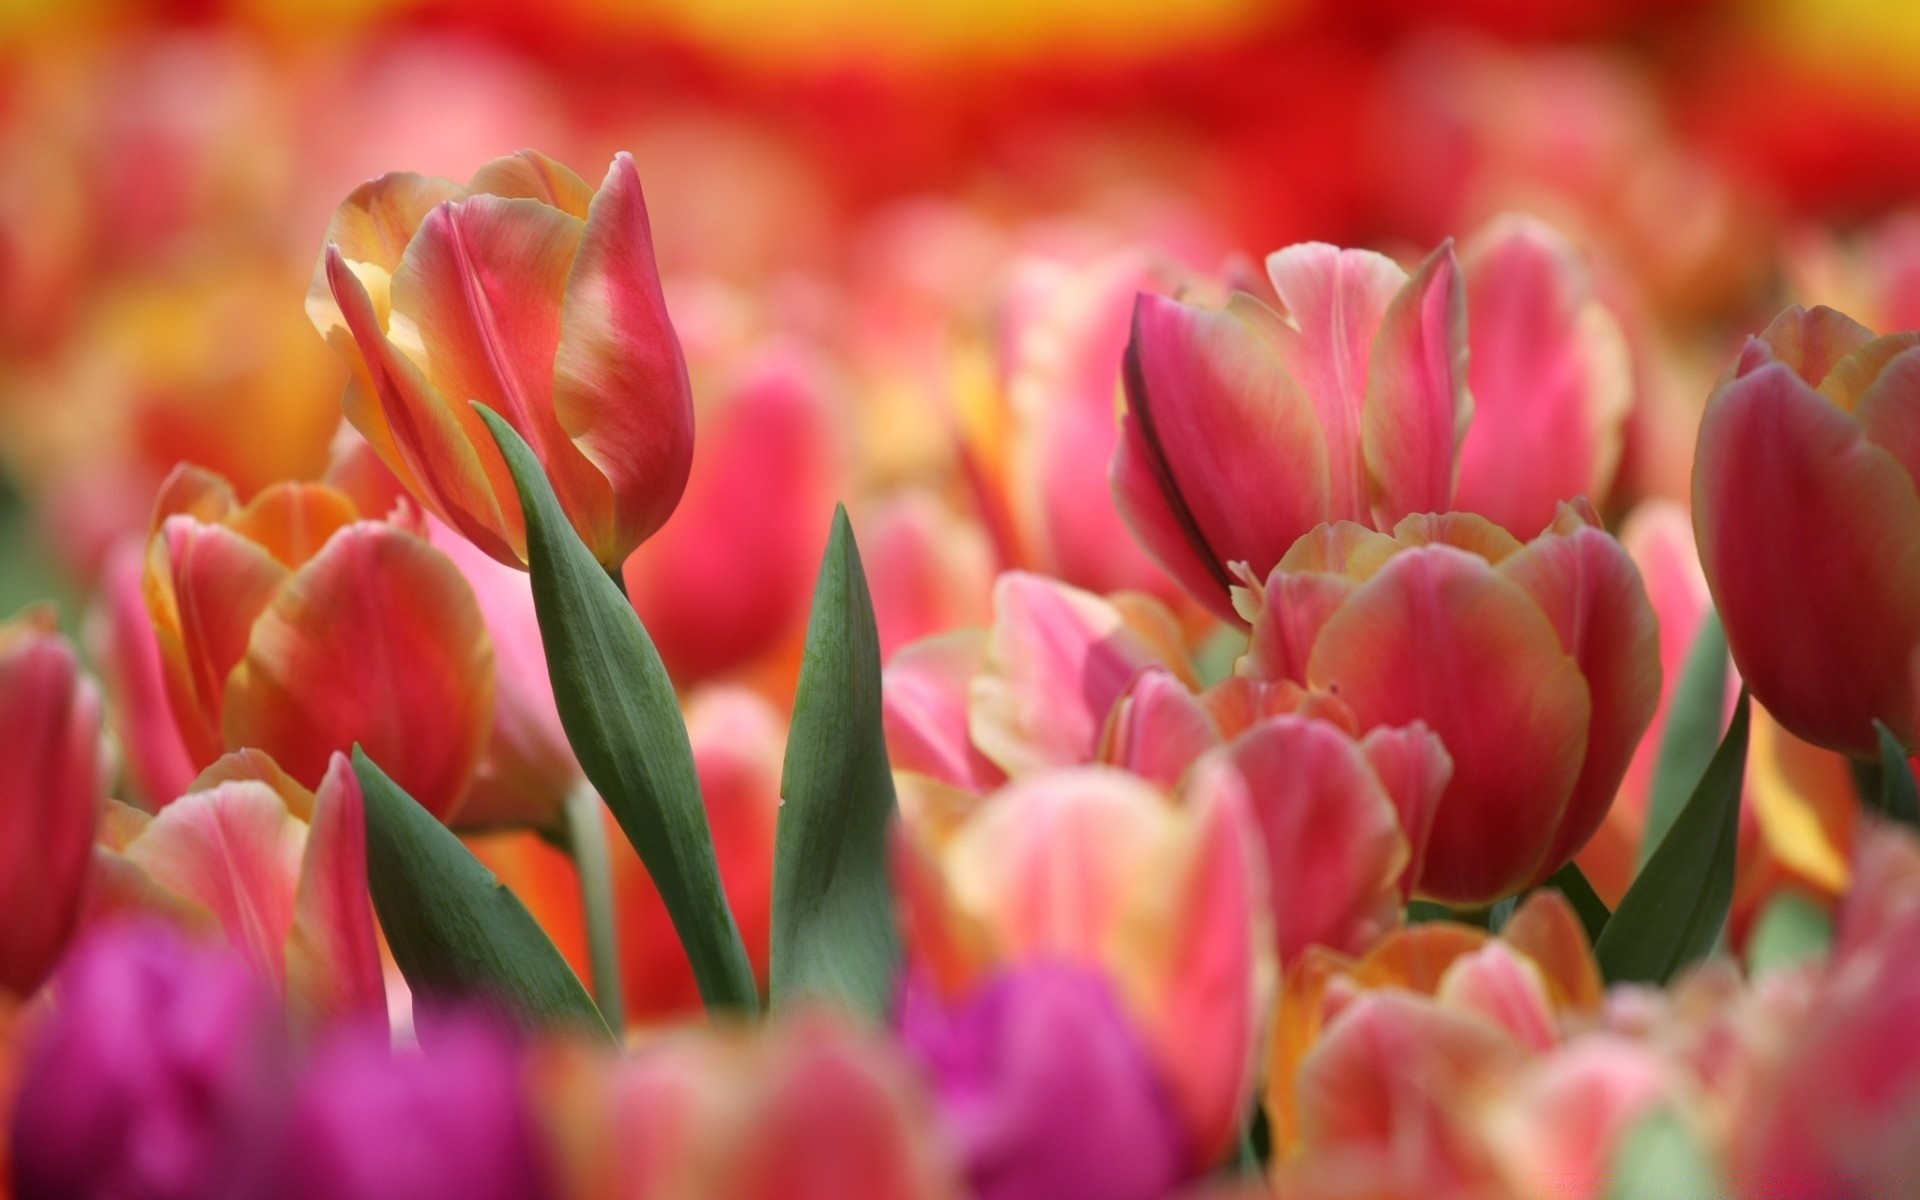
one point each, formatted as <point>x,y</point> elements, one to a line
<point>1791,930</point>
<point>1572,883</point>
<point>1899,794</point>
<point>834,934</point>
<point>1673,913</point>
<point>1691,732</point>
<point>1656,1156</point>
<point>455,929</point>
<point>623,720</point>
<point>1421,912</point>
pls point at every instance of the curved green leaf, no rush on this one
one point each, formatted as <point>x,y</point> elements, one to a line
<point>623,720</point>
<point>1673,913</point>
<point>455,929</point>
<point>1571,882</point>
<point>1691,732</point>
<point>834,935</point>
<point>1899,794</point>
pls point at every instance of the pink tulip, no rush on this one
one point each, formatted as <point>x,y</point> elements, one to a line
<point>531,292</point>
<point>1537,666</point>
<point>1805,505</point>
<point>120,637</point>
<point>50,794</point>
<point>1550,376</point>
<point>292,626</point>
<point>1247,427</point>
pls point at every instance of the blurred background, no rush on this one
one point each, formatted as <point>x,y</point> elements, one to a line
<point>866,188</point>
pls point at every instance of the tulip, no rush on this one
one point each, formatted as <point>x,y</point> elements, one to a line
<point>928,570</point>
<point>1551,379</point>
<point>154,1064</point>
<point>368,1122</point>
<point>50,794</point>
<point>1247,427</point>
<point>1537,666</point>
<point>530,292</point>
<point>1808,520</point>
<point>1033,1044</point>
<point>292,626</point>
<point>120,637</point>
<point>278,871</point>
<point>1094,867</point>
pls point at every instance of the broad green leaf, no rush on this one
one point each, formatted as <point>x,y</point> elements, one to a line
<point>1791,930</point>
<point>623,720</point>
<point>1571,882</point>
<point>1656,1156</point>
<point>1691,732</point>
<point>834,935</point>
<point>455,929</point>
<point>1899,794</point>
<point>1673,913</point>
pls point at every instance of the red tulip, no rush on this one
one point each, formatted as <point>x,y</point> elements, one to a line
<point>50,795</point>
<point>1808,520</point>
<point>534,294</point>
<point>1248,427</point>
<point>1538,666</point>
<point>291,626</point>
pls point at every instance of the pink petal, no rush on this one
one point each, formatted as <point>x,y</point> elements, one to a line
<point>1550,375</point>
<point>1414,768</point>
<point>620,387</point>
<point>332,955</point>
<point>1417,403</point>
<point>1157,728</point>
<point>1506,989</point>
<point>926,691</point>
<point>121,639</point>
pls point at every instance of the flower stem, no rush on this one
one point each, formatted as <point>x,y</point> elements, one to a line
<point>587,843</point>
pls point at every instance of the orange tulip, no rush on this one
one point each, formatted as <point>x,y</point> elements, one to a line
<point>291,626</point>
<point>536,295</point>
<point>50,794</point>
<point>1538,666</point>
<point>1806,509</point>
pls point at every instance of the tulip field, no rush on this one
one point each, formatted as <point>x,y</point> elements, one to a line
<point>733,600</point>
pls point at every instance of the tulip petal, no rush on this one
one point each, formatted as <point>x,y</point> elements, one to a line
<point>291,521</point>
<point>1287,614</point>
<point>1550,376</point>
<point>1414,768</point>
<point>234,850</point>
<point>926,691</point>
<point>1548,931</point>
<point>1417,404</point>
<point>1057,659</point>
<point>372,226</point>
<point>1810,341</point>
<point>1889,407</point>
<point>430,445</point>
<point>1333,302</point>
<point>1841,524</point>
<point>122,640</point>
<point>1506,989</point>
<point>1591,591</point>
<point>1334,850</point>
<point>477,302</point>
<point>1462,530</point>
<point>378,641</point>
<point>620,387</point>
<point>531,175</point>
<point>1211,409</point>
<point>332,954</point>
<point>1157,729</point>
<point>205,586</point>
<point>1438,637</point>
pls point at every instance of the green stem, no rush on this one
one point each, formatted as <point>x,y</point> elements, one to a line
<point>587,843</point>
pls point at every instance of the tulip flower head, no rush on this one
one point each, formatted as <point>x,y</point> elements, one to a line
<point>536,295</point>
<point>1808,519</point>
<point>1247,427</point>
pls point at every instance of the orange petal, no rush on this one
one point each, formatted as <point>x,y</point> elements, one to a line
<point>620,385</point>
<point>332,955</point>
<point>1437,636</point>
<point>1589,588</point>
<point>1811,342</point>
<point>531,175</point>
<point>1417,403</point>
<point>1546,930</point>
<point>1057,660</point>
<point>257,766</point>
<point>1467,531</point>
<point>1800,517</point>
<point>291,521</point>
<point>377,640</point>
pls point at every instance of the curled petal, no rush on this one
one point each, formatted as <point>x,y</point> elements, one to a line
<point>378,641</point>
<point>1437,636</point>
<point>1801,517</point>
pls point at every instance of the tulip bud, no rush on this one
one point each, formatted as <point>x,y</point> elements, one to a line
<point>530,292</point>
<point>1033,1044</point>
<point>1246,428</point>
<point>1808,521</point>
<point>1538,667</point>
<point>291,626</point>
<point>157,1060</point>
<point>51,788</point>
